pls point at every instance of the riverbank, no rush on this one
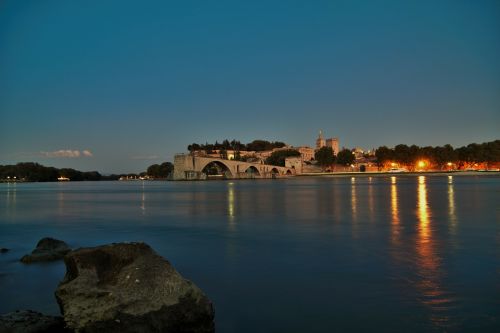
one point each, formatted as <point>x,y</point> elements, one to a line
<point>387,173</point>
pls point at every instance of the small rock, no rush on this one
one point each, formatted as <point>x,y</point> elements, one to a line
<point>163,301</point>
<point>27,321</point>
<point>47,249</point>
<point>3,250</point>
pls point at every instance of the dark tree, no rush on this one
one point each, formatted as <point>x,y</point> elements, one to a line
<point>91,175</point>
<point>194,147</point>
<point>278,157</point>
<point>166,168</point>
<point>160,170</point>
<point>492,151</point>
<point>384,155</point>
<point>325,156</point>
<point>345,157</point>
<point>209,148</point>
<point>259,145</point>
<point>237,156</point>
<point>223,154</point>
<point>72,174</point>
<point>255,145</point>
<point>226,145</point>
<point>402,154</point>
<point>153,170</point>
<point>279,144</point>
<point>443,155</point>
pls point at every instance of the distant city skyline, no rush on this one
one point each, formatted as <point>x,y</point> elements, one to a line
<point>115,86</point>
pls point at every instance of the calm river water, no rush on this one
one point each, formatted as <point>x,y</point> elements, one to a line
<point>393,254</point>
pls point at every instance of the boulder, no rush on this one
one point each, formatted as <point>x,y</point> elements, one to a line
<point>127,287</point>
<point>47,249</point>
<point>27,321</point>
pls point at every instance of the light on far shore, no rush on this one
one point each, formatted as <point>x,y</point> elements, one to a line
<point>422,165</point>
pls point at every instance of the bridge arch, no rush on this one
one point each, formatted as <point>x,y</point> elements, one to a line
<point>215,168</point>
<point>252,170</point>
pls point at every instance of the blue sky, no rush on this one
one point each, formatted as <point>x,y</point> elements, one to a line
<point>115,86</point>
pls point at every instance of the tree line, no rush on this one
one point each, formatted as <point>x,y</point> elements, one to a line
<point>255,145</point>
<point>325,156</point>
<point>34,172</point>
<point>487,152</point>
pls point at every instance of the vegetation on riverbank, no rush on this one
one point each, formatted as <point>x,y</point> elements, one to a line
<point>34,172</point>
<point>408,156</point>
<point>255,145</point>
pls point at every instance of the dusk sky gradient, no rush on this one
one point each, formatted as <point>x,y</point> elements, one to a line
<point>115,86</point>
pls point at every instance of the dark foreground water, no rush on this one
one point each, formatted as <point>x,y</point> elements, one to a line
<point>400,254</point>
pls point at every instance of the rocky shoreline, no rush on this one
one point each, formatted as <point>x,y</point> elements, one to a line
<point>120,287</point>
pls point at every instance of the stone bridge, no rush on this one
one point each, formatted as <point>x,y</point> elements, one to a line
<point>189,167</point>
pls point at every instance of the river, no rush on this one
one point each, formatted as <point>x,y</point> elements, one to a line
<point>318,254</point>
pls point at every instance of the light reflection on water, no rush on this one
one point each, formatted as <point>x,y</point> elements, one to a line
<point>230,202</point>
<point>394,211</point>
<point>143,199</point>
<point>380,247</point>
<point>354,199</point>
<point>429,264</point>
<point>451,206</point>
<point>11,199</point>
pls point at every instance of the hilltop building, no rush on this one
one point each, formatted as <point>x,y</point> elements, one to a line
<point>306,153</point>
<point>334,144</point>
<point>331,142</point>
<point>320,141</point>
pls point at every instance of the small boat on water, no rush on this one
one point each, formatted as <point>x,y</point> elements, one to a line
<point>63,179</point>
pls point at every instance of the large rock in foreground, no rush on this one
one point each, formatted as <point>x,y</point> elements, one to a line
<point>28,321</point>
<point>47,249</point>
<point>127,287</point>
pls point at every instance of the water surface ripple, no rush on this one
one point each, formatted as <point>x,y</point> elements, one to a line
<point>392,254</point>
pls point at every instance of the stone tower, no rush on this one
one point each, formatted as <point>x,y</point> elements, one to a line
<point>334,144</point>
<point>320,141</point>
